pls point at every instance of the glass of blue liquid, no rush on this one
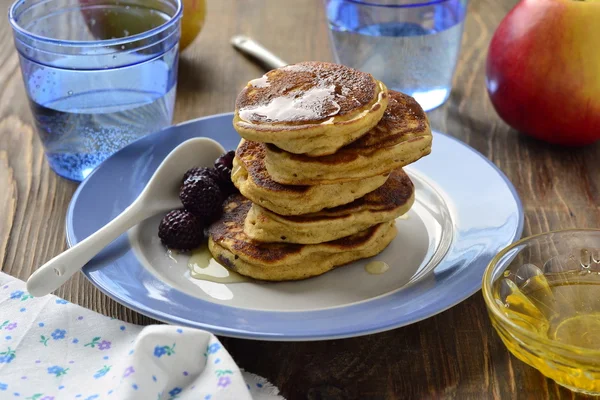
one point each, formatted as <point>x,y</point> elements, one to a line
<point>410,45</point>
<point>99,74</point>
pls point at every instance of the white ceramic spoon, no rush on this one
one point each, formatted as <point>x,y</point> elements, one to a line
<point>161,194</point>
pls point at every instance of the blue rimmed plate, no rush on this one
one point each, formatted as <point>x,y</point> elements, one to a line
<point>466,211</point>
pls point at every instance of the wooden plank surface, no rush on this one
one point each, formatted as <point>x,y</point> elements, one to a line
<point>455,355</point>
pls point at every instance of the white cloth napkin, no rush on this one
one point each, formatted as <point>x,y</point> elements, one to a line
<point>51,349</point>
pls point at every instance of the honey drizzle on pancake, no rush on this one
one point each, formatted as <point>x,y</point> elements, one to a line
<point>312,92</point>
<point>261,82</point>
<point>309,105</point>
<point>204,267</point>
<point>377,267</point>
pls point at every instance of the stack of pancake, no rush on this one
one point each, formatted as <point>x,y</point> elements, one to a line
<point>319,170</point>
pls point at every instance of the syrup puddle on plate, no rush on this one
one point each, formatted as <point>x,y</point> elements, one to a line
<point>377,267</point>
<point>171,254</point>
<point>204,267</point>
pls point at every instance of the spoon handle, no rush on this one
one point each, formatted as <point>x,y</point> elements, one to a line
<point>254,49</point>
<point>57,271</point>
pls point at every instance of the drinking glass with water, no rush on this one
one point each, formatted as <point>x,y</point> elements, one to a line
<point>98,73</point>
<point>410,45</point>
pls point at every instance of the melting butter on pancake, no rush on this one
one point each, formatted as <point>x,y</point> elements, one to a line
<point>311,108</point>
<point>386,203</point>
<point>281,262</point>
<point>401,137</point>
<point>250,176</point>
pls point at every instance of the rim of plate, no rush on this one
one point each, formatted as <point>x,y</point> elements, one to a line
<point>162,316</point>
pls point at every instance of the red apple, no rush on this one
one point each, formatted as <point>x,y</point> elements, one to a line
<point>543,70</point>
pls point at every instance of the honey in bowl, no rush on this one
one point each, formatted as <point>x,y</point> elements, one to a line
<point>555,300</point>
<point>564,307</point>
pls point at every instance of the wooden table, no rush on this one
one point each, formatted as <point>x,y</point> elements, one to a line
<point>453,355</point>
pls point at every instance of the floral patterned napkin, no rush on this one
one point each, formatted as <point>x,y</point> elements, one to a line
<point>51,349</point>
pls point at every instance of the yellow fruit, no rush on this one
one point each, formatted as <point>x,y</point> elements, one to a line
<point>194,12</point>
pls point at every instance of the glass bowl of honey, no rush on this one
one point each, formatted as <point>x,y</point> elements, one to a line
<point>543,298</point>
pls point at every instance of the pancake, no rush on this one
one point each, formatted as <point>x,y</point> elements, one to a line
<point>310,108</point>
<point>401,137</point>
<point>282,262</point>
<point>386,203</point>
<point>250,176</point>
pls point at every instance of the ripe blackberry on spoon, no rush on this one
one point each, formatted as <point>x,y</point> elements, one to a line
<point>181,230</point>
<point>202,193</point>
<point>201,171</point>
<point>223,166</point>
<point>202,196</point>
<point>226,159</point>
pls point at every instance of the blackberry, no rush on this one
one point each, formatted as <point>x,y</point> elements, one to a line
<point>202,196</point>
<point>201,171</point>
<point>221,179</point>
<point>181,230</point>
<point>225,180</point>
<point>226,159</point>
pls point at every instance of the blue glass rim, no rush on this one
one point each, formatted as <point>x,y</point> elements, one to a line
<point>414,5</point>
<point>93,43</point>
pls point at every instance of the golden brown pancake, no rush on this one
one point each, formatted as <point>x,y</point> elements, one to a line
<point>386,203</point>
<point>252,179</point>
<point>310,108</point>
<point>281,262</point>
<point>401,137</point>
